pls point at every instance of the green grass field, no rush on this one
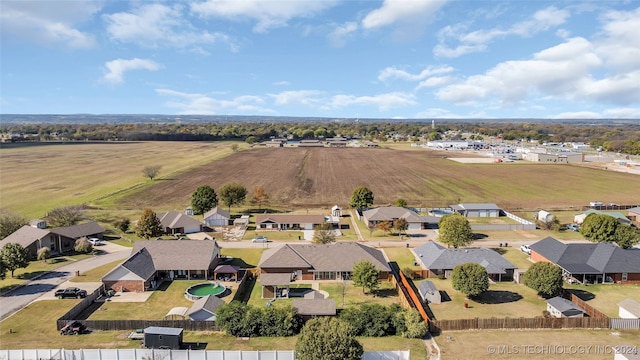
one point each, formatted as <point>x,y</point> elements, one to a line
<point>35,268</point>
<point>605,297</point>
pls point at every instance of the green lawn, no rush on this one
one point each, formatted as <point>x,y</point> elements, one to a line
<point>534,344</point>
<point>248,258</point>
<point>170,295</point>
<point>96,274</point>
<point>605,297</point>
<point>403,256</point>
<point>505,299</point>
<point>35,268</point>
<point>515,256</point>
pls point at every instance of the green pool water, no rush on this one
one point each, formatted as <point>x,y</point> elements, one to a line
<point>206,289</point>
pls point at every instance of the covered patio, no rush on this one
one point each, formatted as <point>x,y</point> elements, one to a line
<point>275,285</point>
<point>226,273</point>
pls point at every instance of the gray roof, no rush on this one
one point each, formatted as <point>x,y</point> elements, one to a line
<point>476,206</point>
<point>391,213</point>
<point>340,256</point>
<point>322,307</point>
<point>290,219</point>
<point>631,305</point>
<point>80,230</point>
<point>635,210</point>
<point>563,305</point>
<point>141,264</point>
<point>226,269</point>
<point>427,287</point>
<point>277,279</point>
<point>217,210</point>
<point>179,255</point>
<point>162,330</point>
<point>435,256</point>
<point>174,219</point>
<point>24,236</point>
<point>208,303</point>
<point>590,258</point>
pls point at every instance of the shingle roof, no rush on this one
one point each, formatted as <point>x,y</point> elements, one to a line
<point>226,269</point>
<point>391,213</point>
<point>141,264</point>
<point>631,305</point>
<point>592,258</point>
<point>209,303</point>
<point>80,230</point>
<point>278,279</point>
<point>322,307</point>
<point>24,236</point>
<point>219,211</point>
<point>179,254</point>
<point>290,218</point>
<point>341,256</point>
<point>427,287</point>
<point>434,256</point>
<point>477,206</point>
<point>563,305</point>
<point>174,219</point>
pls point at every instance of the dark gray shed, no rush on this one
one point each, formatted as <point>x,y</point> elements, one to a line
<point>156,337</point>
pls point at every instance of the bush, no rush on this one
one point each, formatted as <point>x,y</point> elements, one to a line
<point>83,246</point>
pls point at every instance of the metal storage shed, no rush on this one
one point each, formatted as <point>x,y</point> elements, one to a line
<point>156,337</point>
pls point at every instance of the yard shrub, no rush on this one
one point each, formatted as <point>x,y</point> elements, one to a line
<point>470,279</point>
<point>328,339</point>
<point>83,246</point>
<point>545,278</point>
<point>239,319</point>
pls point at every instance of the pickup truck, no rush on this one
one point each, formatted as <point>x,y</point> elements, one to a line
<point>71,293</point>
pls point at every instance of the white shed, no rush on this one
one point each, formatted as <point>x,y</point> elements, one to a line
<point>629,309</point>
<point>216,217</point>
<point>545,216</point>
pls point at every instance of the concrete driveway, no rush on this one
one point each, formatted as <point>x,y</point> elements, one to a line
<point>45,285</point>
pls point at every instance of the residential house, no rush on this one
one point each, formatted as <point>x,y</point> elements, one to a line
<point>282,265</point>
<point>153,261</point>
<point>204,309</point>
<point>288,221</point>
<point>629,309</point>
<point>313,308</point>
<point>429,293</point>
<point>372,217</point>
<point>439,260</point>
<point>562,308</point>
<point>590,262</point>
<point>579,219</point>
<point>634,214</point>
<point>477,210</point>
<point>216,217</point>
<point>174,222</point>
<point>58,240</point>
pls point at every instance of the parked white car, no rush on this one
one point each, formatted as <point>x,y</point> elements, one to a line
<point>260,239</point>
<point>95,241</point>
<point>525,249</point>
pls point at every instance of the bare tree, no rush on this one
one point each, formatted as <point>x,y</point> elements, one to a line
<point>151,171</point>
<point>65,216</point>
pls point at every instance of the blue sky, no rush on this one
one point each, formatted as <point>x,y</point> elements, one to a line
<point>343,59</point>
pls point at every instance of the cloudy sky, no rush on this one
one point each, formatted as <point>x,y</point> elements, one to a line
<point>329,58</point>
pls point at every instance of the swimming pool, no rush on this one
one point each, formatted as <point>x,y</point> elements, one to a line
<point>198,291</point>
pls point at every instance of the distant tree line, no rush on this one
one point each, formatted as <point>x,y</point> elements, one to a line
<point>623,138</point>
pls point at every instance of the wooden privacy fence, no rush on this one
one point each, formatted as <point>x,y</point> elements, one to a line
<point>518,323</point>
<point>407,291</point>
<point>141,324</point>
<point>588,309</point>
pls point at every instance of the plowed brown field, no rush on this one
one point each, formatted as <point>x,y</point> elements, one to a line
<point>322,177</point>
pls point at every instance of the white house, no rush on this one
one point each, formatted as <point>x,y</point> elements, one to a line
<point>629,309</point>
<point>216,217</point>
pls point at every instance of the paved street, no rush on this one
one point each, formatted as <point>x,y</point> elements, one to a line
<point>23,295</point>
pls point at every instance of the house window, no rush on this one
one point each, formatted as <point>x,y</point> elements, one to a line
<point>624,276</point>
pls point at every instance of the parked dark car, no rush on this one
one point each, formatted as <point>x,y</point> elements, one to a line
<point>73,328</point>
<point>71,293</point>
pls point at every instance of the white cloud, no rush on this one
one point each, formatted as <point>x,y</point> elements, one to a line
<point>622,113</point>
<point>382,101</point>
<point>201,104</point>
<point>563,70</point>
<point>392,72</point>
<point>340,32</point>
<point>400,11</point>
<point>303,97</point>
<point>52,23</point>
<point>117,68</point>
<point>267,14</point>
<point>619,42</point>
<point>476,41</point>
<point>281,83</point>
<point>158,25</point>
<point>577,115</point>
<point>436,81</point>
